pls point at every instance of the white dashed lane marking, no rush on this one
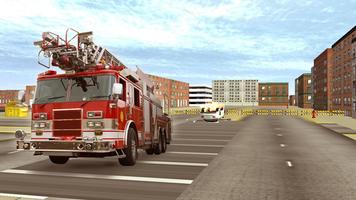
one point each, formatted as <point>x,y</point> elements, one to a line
<point>289,163</point>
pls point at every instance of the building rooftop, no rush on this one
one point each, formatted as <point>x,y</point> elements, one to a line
<point>274,83</point>
<point>343,37</point>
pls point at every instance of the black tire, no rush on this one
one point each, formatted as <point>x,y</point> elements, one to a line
<point>59,159</point>
<point>131,150</point>
<point>158,146</point>
<point>150,151</point>
<point>163,143</point>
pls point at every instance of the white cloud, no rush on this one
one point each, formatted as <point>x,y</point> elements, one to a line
<point>244,29</point>
<point>328,10</point>
<point>182,24</point>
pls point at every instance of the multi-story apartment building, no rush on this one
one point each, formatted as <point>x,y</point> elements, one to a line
<point>342,73</point>
<point>354,77</point>
<point>200,95</point>
<point>303,93</point>
<point>273,94</point>
<point>236,92</point>
<point>292,100</point>
<point>172,93</point>
<point>321,79</point>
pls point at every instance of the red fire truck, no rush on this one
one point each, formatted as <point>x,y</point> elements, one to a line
<point>96,108</point>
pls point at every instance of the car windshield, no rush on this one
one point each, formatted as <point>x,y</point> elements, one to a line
<point>74,89</point>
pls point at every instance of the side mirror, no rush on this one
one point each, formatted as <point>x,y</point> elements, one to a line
<point>117,89</point>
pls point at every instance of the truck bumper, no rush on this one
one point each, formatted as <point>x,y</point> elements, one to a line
<point>67,146</point>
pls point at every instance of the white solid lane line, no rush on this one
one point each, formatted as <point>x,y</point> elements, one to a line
<point>192,153</point>
<point>201,134</point>
<point>279,135</point>
<point>282,145</point>
<point>18,196</point>
<point>101,176</point>
<point>289,164</point>
<point>172,163</point>
<point>196,145</point>
<point>201,139</point>
<point>12,152</point>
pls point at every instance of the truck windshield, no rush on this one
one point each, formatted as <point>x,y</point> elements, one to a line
<point>74,89</point>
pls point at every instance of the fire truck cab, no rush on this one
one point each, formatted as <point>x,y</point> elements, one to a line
<point>98,107</point>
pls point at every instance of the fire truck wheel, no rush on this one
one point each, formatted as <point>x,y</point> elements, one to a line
<point>158,146</point>
<point>59,159</point>
<point>150,151</point>
<point>131,150</point>
<point>163,143</point>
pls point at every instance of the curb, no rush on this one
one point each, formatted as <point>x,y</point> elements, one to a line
<point>6,140</point>
<point>318,124</point>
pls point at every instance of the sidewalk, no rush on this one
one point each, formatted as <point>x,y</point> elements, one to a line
<point>339,124</point>
<point>12,129</point>
<point>6,137</point>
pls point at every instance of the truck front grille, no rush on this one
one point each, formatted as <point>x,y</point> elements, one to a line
<point>67,123</point>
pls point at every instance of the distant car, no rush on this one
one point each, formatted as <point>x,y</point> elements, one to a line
<point>212,112</point>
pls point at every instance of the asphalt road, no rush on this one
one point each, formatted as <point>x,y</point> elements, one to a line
<point>163,176</point>
<point>276,157</point>
<point>261,157</point>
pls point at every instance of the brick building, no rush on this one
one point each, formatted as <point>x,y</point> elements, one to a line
<point>29,94</point>
<point>303,93</point>
<point>6,96</point>
<point>342,73</point>
<point>273,94</point>
<point>321,79</point>
<point>172,93</point>
<point>292,100</point>
<point>354,77</point>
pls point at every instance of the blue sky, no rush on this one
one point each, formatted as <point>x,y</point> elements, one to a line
<point>190,40</point>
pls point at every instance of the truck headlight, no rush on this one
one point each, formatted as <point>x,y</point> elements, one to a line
<point>20,134</point>
<point>40,125</point>
<point>95,124</point>
<point>43,125</point>
<point>90,124</point>
<point>98,124</point>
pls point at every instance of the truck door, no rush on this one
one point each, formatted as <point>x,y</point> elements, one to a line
<point>122,106</point>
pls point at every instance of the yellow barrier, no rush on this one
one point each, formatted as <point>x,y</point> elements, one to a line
<point>262,112</point>
<point>14,110</point>
<point>270,112</point>
<point>184,111</point>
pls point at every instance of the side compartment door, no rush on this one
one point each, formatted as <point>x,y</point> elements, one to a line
<point>147,120</point>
